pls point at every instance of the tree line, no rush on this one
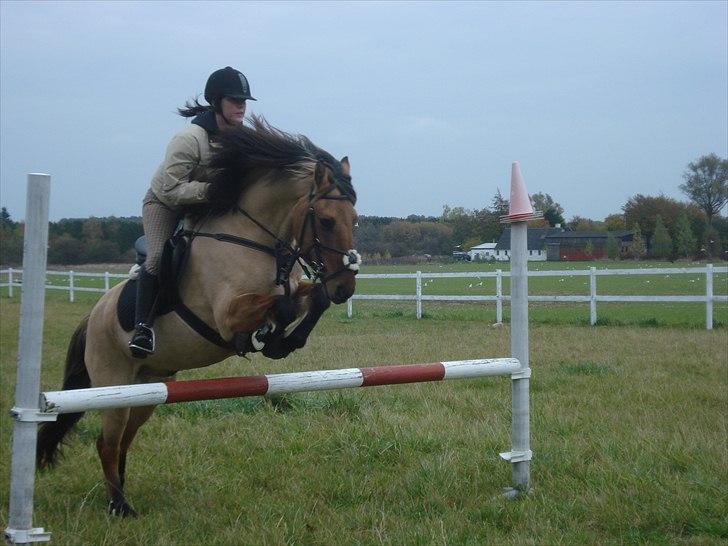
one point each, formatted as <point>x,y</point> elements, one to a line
<point>663,227</point>
<point>74,241</point>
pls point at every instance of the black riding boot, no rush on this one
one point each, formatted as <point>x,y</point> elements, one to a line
<point>142,342</point>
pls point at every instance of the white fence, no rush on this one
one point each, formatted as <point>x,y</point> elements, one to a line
<point>13,276</point>
<point>13,280</point>
<point>592,298</point>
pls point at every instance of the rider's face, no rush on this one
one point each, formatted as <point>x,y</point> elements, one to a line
<point>233,110</point>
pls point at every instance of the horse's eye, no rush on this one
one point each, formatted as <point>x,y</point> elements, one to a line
<point>327,223</point>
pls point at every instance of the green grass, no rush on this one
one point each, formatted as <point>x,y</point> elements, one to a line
<point>628,434</point>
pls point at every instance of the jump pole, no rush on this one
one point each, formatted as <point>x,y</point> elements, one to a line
<point>127,396</point>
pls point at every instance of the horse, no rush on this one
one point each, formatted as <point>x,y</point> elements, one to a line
<point>278,205</point>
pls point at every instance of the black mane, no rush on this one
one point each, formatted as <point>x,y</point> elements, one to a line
<point>261,146</point>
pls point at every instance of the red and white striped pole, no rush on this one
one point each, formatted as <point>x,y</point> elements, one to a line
<point>149,394</point>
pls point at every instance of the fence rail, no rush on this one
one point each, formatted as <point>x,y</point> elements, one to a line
<point>13,276</point>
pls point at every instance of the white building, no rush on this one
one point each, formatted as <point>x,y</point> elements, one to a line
<point>483,251</point>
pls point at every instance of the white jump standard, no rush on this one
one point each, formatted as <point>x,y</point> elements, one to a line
<point>32,406</point>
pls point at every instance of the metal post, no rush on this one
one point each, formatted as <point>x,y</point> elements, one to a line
<point>499,296</point>
<point>106,281</point>
<point>709,297</point>
<point>349,308</point>
<point>27,386</point>
<point>419,294</point>
<point>592,295</point>
<point>520,455</point>
<point>10,282</point>
<point>70,286</point>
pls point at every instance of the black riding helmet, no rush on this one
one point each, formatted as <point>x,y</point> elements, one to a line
<point>227,82</point>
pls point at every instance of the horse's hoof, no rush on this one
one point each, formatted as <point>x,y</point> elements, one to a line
<point>121,509</point>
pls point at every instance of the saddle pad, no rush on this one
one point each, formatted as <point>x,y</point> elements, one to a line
<point>126,303</point>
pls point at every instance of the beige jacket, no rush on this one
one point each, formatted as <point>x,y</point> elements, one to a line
<point>182,179</point>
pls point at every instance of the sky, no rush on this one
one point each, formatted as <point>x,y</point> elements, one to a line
<point>431,101</point>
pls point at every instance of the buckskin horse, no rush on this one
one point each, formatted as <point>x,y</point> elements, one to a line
<point>279,205</point>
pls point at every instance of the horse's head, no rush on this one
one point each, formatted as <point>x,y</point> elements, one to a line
<point>324,221</point>
<point>292,189</point>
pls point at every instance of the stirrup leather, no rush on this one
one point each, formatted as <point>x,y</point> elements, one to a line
<point>143,334</point>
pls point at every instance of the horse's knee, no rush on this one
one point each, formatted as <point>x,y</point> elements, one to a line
<point>284,311</point>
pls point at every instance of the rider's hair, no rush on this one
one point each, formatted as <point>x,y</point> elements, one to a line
<point>193,108</point>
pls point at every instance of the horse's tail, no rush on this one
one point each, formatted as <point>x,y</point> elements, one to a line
<point>51,433</point>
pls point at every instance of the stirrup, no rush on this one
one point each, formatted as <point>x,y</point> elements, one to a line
<point>143,341</point>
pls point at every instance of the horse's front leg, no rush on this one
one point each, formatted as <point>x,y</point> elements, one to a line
<point>317,305</point>
<point>255,319</point>
<point>311,302</point>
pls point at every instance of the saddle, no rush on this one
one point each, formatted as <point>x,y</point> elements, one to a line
<point>171,267</point>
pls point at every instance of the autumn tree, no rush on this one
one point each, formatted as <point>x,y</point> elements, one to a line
<point>5,219</point>
<point>553,212</point>
<point>637,248</point>
<point>706,184</point>
<point>615,222</point>
<point>712,244</point>
<point>11,239</point>
<point>644,210</point>
<point>589,250</point>
<point>579,223</point>
<point>612,247</point>
<point>661,240</point>
<point>500,205</point>
<point>65,249</point>
<point>685,240</point>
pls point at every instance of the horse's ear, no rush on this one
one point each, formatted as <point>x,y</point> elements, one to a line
<point>319,174</point>
<point>345,165</point>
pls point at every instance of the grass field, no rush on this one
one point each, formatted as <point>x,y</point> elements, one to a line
<point>628,433</point>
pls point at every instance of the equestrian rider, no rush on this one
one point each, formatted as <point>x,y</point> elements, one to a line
<point>182,180</point>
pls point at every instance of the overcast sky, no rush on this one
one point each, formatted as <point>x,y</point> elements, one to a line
<point>430,101</point>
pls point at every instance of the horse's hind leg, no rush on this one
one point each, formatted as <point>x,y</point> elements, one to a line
<point>108,446</point>
<point>137,417</point>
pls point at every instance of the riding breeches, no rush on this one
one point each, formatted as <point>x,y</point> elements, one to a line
<point>159,222</point>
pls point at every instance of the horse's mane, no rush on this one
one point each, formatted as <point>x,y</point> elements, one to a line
<point>258,145</point>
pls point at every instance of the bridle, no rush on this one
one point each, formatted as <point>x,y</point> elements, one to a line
<point>350,258</point>
<point>287,255</point>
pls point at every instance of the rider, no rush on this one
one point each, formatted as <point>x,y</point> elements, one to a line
<point>182,180</point>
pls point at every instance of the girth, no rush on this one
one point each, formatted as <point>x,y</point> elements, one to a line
<point>201,327</point>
